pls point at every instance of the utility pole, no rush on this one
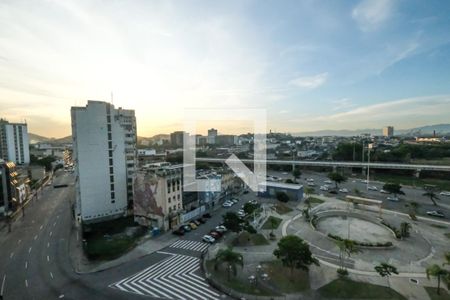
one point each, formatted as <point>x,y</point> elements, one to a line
<point>369,147</point>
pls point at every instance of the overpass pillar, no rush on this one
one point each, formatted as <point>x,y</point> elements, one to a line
<point>417,174</point>
<point>363,171</point>
<point>334,168</point>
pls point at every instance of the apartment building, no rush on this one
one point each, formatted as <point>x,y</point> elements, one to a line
<point>159,195</point>
<point>14,142</point>
<point>104,153</point>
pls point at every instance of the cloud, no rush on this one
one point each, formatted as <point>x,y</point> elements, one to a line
<point>310,82</point>
<point>342,104</point>
<point>371,14</point>
<point>402,113</point>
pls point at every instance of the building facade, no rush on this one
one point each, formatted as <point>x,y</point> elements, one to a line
<point>159,196</point>
<point>176,138</point>
<point>14,187</point>
<point>14,142</point>
<point>104,154</point>
<point>388,131</point>
<point>212,134</point>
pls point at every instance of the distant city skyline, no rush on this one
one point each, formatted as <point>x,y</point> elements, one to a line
<point>312,65</point>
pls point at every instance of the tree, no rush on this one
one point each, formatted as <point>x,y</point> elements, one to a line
<point>447,259</point>
<point>393,188</point>
<point>386,270</point>
<point>438,272</point>
<point>289,181</point>
<point>294,253</point>
<point>357,192</point>
<point>296,173</point>
<point>337,178</point>
<point>309,191</point>
<point>282,197</point>
<point>232,221</point>
<point>413,209</point>
<point>231,258</point>
<point>249,208</point>
<point>346,248</point>
<point>404,229</point>
<point>431,192</point>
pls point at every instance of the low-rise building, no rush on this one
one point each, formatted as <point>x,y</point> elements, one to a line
<point>270,189</point>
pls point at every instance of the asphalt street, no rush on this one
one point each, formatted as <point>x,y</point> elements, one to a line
<point>412,194</point>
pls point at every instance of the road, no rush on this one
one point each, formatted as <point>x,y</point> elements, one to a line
<point>35,263</point>
<point>412,194</point>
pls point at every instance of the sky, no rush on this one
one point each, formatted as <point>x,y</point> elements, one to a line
<point>312,65</point>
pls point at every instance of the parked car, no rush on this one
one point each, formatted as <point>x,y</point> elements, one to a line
<point>186,228</point>
<point>227,204</point>
<point>445,194</point>
<point>178,232</point>
<point>384,192</point>
<point>207,215</point>
<point>328,182</point>
<point>372,188</point>
<point>311,184</point>
<point>392,198</point>
<point>241,213</point>
<point>324,188</point>
<point>254,202</point>
<point>343,190</point>
<point>435,213</point>
<point>202,220</point>
<point>310,180</point>
<point>196,222</point>
<point>364,181</point>
<point>245,191</point>
<point>208,239</point>
<point>235,200</point>
<point>215,234</point>
<point>193,225</point>
<point>221,228</point>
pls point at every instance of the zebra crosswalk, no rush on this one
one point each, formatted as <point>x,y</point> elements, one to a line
<point>190,245</point>
<point>171,278</point>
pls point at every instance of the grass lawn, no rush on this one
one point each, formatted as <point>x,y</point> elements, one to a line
<point>282,209</point>
<point>235,283</point>
<point>411,180</point>
<point>314,200</point>
<point>249,239</point>
<point>432,292</point>
<point>447,234</point>
<point>272,223</point>
<point>280,277</point>
<point>349,289</point>
<point>106,240</point>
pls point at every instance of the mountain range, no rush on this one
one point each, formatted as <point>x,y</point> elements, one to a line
<point>439,129</point>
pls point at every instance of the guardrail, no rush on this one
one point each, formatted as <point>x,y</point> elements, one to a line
<point>352,164</point>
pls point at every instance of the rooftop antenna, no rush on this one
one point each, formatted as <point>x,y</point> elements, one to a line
<point>112,98</point>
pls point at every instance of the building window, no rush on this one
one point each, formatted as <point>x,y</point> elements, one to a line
<point>112,187</point>
<point>113,195</point>
<point>110,153</point>
<point>111,178</point>
<point>109,136</point>
<point>110,145</point>
<point>111,170</point>
<point>110,161</point>
<point>170,209</point>
<point>174,207</point>
<point>169,199</point>
<point>108,119</point>
<point>179,205</point>
<point>109,127</point>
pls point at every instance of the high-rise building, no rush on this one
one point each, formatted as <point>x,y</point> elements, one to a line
<point>176,138</point>
<point>104,152</point>
<point>212,134</point>
<point>14,142</point>
<point>388,131</point>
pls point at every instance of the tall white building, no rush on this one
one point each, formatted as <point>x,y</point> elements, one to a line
<point>14,142</point>
<point>104,151</point>
<point>388,131</point>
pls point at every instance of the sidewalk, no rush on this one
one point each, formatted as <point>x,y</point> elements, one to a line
<point>82,265</point>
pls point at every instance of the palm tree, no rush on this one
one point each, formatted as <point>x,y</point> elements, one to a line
<point>309,191</point>
<point>414,205</point>
<point>447,259</point>
<point>346,248</point>
<point>231,258</point>
<point>386,270</point>
<point>438,272</point>
<point>404,229</point>
<point>430,193</point>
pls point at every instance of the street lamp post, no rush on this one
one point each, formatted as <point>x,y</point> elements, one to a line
<point>369,147</point>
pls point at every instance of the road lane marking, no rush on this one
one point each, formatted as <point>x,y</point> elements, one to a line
<point>51,232</point>
<point>54,224</point>
<point>57,216</point>
<point>11,255</point>
<point>48,258</point>
<point>48,244</point>
<point>3,285</point>
<point>26,265</point>
<point>35,237</point>
<point>26,283</point>
<point>18,242</point>
<point>51,275</point>
<point>29,250</point>
<point>42,226</point>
